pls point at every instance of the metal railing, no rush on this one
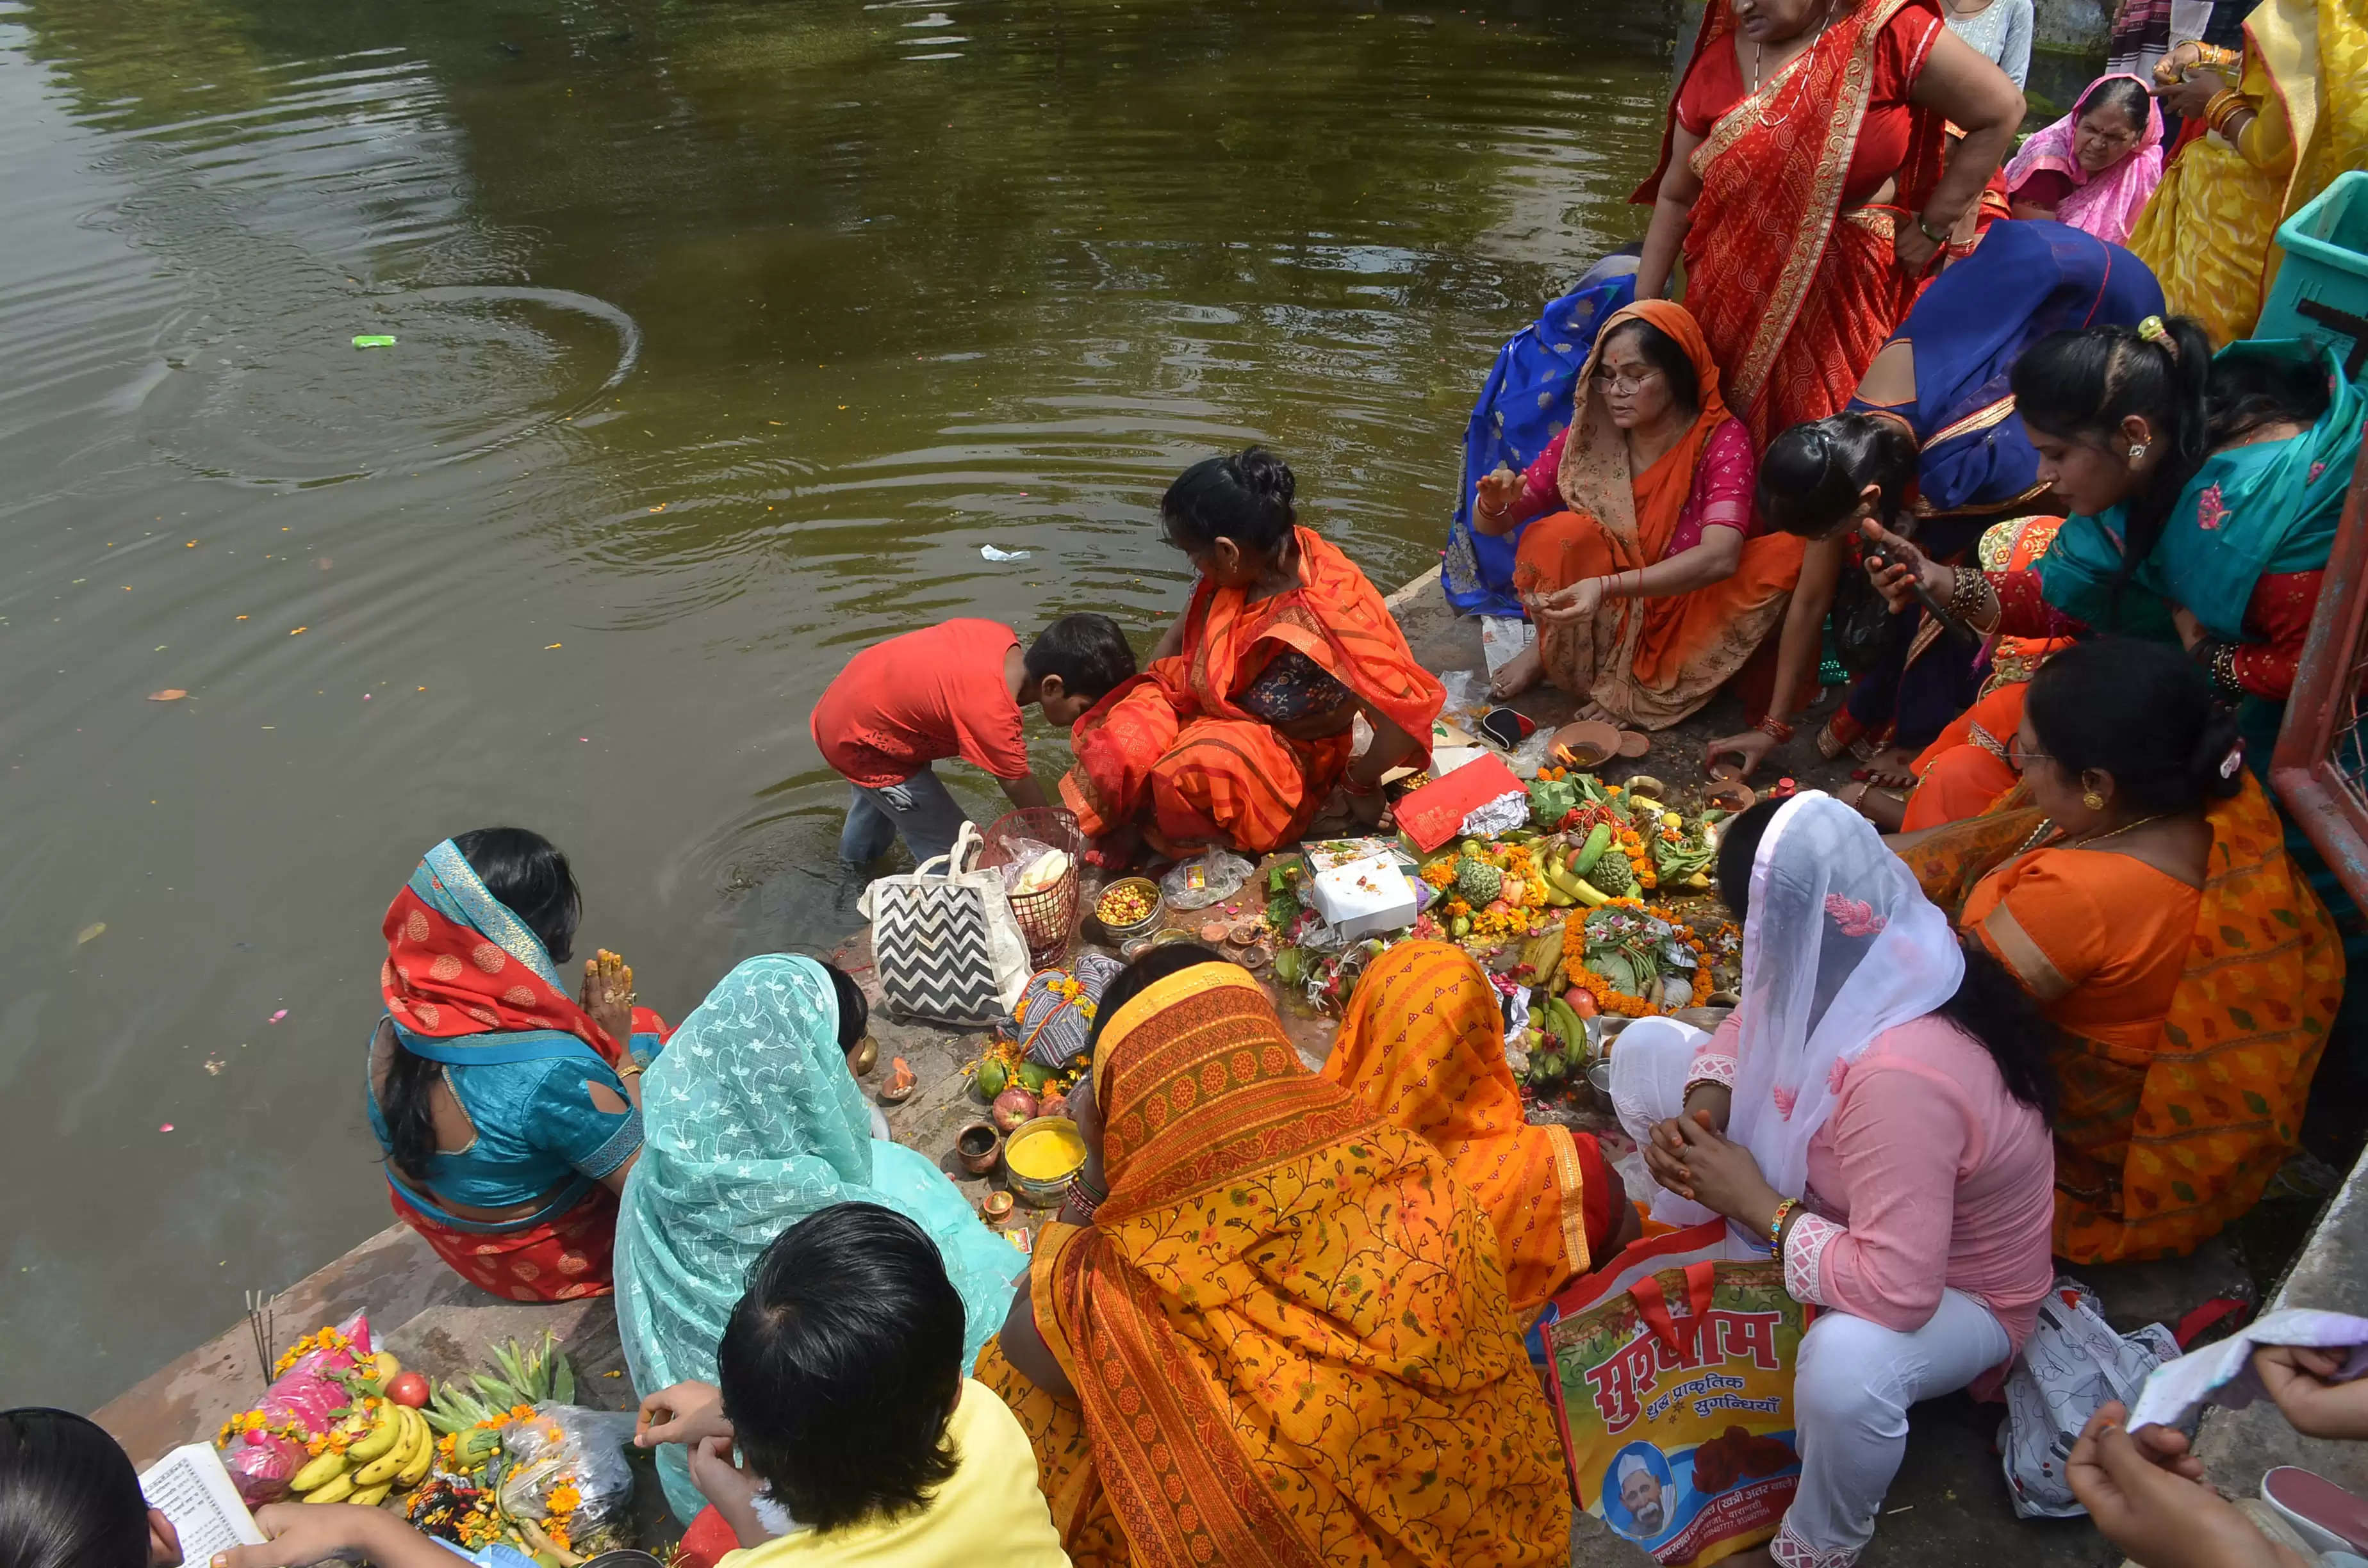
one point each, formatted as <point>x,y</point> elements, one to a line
<point>2320,767</point>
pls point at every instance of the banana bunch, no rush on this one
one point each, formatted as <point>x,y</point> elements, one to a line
<point>1566,872</point>
<point>1560,1047</point>
<point>394,1451</point>
<point>538,1374</point>
<point>1541,961</point>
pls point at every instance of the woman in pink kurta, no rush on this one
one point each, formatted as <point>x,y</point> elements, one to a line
<point>1876,1110</point>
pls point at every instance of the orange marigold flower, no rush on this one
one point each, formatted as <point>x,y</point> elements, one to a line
<point>564,1498</point>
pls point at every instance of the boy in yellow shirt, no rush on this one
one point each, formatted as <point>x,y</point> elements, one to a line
<point>859,1441</point>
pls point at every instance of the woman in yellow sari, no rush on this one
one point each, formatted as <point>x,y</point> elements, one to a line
<point>1423,1045</point>
<point>2137,885</point>
<point>1269,1328</point>
<point>2296,117</point>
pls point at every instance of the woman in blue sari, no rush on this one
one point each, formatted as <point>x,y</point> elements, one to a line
<point>753,1121</point>
<point>504,1106</point>
<point>1525,403</point>
<point>1943,377</point>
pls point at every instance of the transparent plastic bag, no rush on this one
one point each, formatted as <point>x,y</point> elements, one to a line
<point>1025,853</point>
<point>569,1445</point>
<point>263,1461</point>
<point>1205,878</point>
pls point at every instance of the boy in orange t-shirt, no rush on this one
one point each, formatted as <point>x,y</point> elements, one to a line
<point>955,689</point>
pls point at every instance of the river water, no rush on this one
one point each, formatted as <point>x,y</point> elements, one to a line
<point>727,334</point>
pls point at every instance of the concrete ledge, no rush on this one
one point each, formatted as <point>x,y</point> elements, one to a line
<point>2331,1273</point>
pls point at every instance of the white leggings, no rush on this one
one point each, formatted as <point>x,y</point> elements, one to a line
<point>1856,1378</point>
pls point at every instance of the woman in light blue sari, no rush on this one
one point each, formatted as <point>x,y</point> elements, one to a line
<point>751,1122</point>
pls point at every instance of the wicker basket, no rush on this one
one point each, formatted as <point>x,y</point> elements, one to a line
<point>1048,919</point>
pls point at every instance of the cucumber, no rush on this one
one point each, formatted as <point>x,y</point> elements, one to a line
<point>1592,850</point>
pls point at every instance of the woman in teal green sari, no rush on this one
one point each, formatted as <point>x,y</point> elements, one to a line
<point>751,1122</point>
<point>2203,496</point>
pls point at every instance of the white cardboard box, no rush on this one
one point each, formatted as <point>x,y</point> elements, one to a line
<point>1364,896</point>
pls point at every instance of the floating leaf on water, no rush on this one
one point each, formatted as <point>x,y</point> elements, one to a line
<point>373,340</point>
<point>90,933</point>
<point>170,694</point>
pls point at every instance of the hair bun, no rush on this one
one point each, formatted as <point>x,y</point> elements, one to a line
<point>1267,475</point>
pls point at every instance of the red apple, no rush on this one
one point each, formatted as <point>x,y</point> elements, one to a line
<point>408,1388</point>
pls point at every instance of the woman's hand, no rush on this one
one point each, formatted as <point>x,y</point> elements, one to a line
<point>2188,99</point>
<point>687,1413</point>
<point>1721,1175</point>
<point>2190,631</point>
<point>1748,750</point>
<point>1368,809</point>
<point>2171,66</point>
<point>1913,248</point>
<point>1570,606</point>
<point>2149,1507</point>
<point>1897,568</point>
<point>302,1533</point>
<point>1494,498</point>
<point>2297,1378</point>
<point>609,995</point>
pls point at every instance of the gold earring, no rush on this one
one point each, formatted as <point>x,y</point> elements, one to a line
<point>2093,800</point>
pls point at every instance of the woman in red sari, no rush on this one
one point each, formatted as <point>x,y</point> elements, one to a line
<point>1239,731</point>
<point>509,1111</point>
<point>1809,177</point>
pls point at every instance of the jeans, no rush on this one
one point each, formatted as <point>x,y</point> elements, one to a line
<point>919,811</point>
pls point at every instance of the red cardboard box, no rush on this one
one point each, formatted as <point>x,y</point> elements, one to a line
<point>1433,814</point>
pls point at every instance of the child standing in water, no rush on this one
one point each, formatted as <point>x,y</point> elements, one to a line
<point>951,691</point>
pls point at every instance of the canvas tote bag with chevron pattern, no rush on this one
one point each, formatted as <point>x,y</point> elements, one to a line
<point>948,945</point>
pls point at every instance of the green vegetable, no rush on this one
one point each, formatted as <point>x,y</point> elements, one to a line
<point>1282,908</point>
<point>1290,966</point>
<point>1476,880</point>
<point>1592,850</point>
<point>1033,1076</point>
<point>1550,800</point>
<point>1461,926</point>
<point>994,1077</point>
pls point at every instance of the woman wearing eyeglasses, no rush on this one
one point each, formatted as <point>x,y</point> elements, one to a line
<point>2145,900</point>
<point>1642,570</point>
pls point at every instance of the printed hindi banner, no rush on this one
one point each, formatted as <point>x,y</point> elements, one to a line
<point>1672,1381</point>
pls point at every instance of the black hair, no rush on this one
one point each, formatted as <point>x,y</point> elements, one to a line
<point>1246,498</point>
<point>533,880</point>
<point>1813,475</point>
<point>1141,976</point>
<point>2258,387</point>
<point>841,1364</point>
<point>2124,93</point>
<point>2142,711</point>
<point>1087,651</point>
<point>69,1498</point>
<point>2082,384</point>
<point>1661,351</point>
<point>1989,1004</point>
<point>854,1007</point>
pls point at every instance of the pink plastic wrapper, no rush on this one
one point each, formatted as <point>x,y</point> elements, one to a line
<point>263,1463</point>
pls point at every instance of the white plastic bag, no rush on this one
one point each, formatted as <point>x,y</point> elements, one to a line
<point>584,1449</point>
<point>2074,1363</point>
<point>1204,879</point>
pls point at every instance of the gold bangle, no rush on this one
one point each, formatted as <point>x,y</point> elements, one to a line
<point>630,1070</point>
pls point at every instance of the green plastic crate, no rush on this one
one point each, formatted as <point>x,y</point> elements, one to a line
<point>2322,286</point>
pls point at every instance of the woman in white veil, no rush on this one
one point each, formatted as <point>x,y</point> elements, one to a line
<point>1875,1110</point>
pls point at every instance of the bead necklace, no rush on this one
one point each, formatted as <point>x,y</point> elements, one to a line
<point>1758,58</point>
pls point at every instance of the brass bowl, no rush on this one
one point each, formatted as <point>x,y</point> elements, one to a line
<point>978,1147</point>
<point>864,1057</point>
<point>1042,1192</point>
<point>1120,934</point>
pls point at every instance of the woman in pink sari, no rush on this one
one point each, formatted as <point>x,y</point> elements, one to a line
<point>2094,168</point>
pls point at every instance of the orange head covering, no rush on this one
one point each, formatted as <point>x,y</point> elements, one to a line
<point>1640,510</point>
<point>1286,1325</point>
<point>1423,1045</point>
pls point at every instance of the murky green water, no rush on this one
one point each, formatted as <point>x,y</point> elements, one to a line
<point>728,332</point>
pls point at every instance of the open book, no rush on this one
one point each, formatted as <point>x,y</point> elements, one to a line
<point>190,1487</point>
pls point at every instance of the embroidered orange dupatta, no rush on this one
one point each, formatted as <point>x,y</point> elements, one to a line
<point>1286,1325</point>
<point>1171,751</point>
<point>1794,295</point>
<point>1423,1045</point>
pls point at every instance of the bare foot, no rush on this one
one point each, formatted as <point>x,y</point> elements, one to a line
<point>1894,767</point>
<point>1522,672</point>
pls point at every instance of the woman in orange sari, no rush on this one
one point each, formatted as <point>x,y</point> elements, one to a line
<point>1268,1328</point>
<point>1423,1045</point>
<point>1808,176</point>
<point>1649,584</point>
<point>1239,730</point>
<point>2146,899</point>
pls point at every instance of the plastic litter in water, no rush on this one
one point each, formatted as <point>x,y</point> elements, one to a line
<point>992,554</point>
<point>277,1017</point>
<point>373,340</point>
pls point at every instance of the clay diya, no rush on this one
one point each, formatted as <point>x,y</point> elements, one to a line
<point>1242,933</point>
<point>1634,743</point>
<point>1257,956</point>
<point>978,1146</point>
<point>996,1208</point>
<point>1585,744</point>
<point>1731,795</point>
<point>1213,932</point>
